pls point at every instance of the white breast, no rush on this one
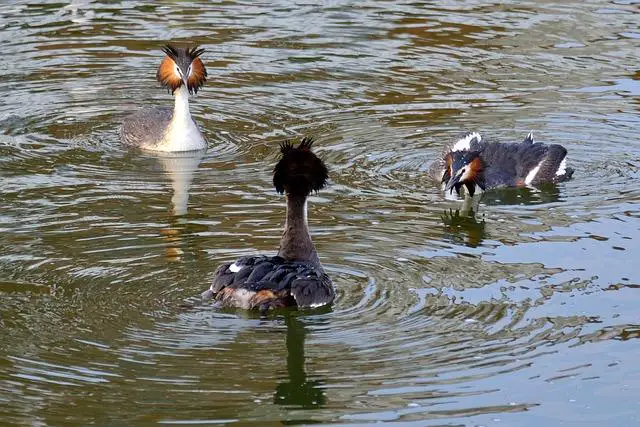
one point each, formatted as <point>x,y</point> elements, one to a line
<point>182,134</point>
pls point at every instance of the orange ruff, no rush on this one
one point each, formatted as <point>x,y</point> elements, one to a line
<point>167,75</point>
<point>198,75</point>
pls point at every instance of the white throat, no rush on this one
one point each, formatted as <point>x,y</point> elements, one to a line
<point>182,134</point>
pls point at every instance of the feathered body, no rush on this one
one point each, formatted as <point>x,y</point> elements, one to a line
<point>479,165</point>
<point>295,276</point>
<point>162,129</point>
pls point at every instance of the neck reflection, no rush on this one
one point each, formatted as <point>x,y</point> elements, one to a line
<point>298,390</point>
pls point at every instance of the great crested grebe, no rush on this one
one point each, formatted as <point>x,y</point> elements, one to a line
<point>162,129</point>
<point>480,165</point>
<point>295,276</point>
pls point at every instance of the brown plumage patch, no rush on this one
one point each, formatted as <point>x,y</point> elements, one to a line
<point>263,299</point>
<point>448,172</point>
<point>225,295</point>
<point>262,296</point>
<point>198,71</point>
<point>167,74</point>
<point>266,299</point>
<point>475,167</point>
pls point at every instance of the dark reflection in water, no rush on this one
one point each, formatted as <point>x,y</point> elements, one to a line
<point>463,227</point>
<point>547,193</point>
<point>466,225</point>
<point>298,390</point>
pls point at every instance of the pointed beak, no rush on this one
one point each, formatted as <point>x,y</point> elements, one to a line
<point>455,179</point>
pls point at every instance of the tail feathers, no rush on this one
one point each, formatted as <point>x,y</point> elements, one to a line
<point>311,291</point>
<point>567,176</point>
<point>529,138</point>
<point>564,173</point>
<point>553,167</point>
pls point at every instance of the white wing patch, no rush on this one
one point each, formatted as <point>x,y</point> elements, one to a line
<point>465,143</point>
<point>531,175</point>
<point>562,169</point>
<point>234,268</point>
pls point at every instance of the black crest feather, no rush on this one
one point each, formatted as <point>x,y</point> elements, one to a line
<point>174,52</point>
<point>299,171</point>
<point>171,51</point>
<point>286,146</point>
<point>195,52</point>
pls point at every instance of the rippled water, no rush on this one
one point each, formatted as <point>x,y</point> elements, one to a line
<point>522,316</point>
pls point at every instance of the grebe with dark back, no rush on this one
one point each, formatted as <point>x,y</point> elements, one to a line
<point>478,165</point>
<point>295,276</point>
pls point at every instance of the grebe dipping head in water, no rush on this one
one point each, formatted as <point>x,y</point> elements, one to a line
<point>162,129</point>
<point>295,276</point>
<point>478,165</point>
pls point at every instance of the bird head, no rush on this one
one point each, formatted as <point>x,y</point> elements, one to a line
<point>299,171</point>
<point>463,168</point>
<point>182,66</point>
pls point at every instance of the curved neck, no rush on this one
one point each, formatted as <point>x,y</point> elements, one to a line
<point>296,244</point>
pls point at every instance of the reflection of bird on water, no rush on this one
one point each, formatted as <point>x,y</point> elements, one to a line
<point>476,165</point>
<point>295,276</point>
<point>180,168</point>
<point>298,390</point>
<point>459,226</point>
<point>163,129</point>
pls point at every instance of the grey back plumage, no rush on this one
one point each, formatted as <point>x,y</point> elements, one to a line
<point>146,127</point>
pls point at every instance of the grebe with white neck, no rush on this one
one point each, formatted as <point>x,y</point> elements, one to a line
<point>162,129</point>
<point>295,276</point>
